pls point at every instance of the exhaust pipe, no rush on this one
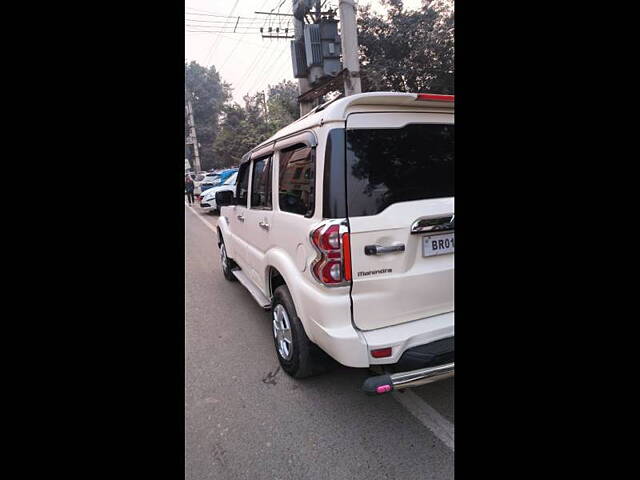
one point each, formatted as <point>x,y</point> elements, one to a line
<point>398,381</point>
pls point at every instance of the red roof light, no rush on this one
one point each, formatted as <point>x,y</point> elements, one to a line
<point>437,98</point>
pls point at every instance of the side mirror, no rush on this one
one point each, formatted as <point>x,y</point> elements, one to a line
<point>224,198</point>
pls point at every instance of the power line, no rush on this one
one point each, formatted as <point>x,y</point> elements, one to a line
<point>239,41</point>
<point>234,26</point>
<point>237,44</point>
<point>218,27</point>
<point>273,66</point>
<point>261,70</point>
<point>210,15</point>
<point>222,31</point>
<point>214,44</point>
<point>230,21</point>
<point>230,38</point>
<point>198,9</point>
<point>259,67</point>
<point>249,72</point>
<point>222,26</point>
<point>256,66</point>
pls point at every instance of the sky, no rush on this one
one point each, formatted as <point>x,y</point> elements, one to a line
<point>244,59</point>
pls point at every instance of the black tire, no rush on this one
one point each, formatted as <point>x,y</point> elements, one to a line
<point>227,265</point>
<point>305,358</point>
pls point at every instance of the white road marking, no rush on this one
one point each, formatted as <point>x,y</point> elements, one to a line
<point>428,416</point>
<point>209,226</point>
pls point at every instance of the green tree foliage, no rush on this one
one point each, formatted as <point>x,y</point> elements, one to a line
<point>244,127</point>
<point>407,51</point>
<point>231,142</point>
<point>283,105</point>
<point>208,96</point>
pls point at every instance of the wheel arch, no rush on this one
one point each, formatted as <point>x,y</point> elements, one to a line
<point>280,270</point>
<point>273,280</point>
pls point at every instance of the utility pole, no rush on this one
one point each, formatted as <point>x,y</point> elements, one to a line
<point>303,83</point>
<point>349,35</point>
<point>193,139</point>
<point>264,105</point>
<point>316,71</point>
<point>317,48</point>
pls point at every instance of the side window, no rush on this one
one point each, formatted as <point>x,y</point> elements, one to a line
<point>296,181</point>
<point>242,190</point>
<point>261,184</point>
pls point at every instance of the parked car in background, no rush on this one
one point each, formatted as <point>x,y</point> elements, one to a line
<point>342,225</point>
<point>214,179</point>
<point>208,198</point>
<point>210,180</point>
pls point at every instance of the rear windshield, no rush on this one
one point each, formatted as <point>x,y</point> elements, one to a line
<point>387,166</point>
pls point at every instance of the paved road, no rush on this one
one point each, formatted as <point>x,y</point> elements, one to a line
<point>246,419</point>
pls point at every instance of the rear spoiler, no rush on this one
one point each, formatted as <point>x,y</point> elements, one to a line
<point>404,99</point>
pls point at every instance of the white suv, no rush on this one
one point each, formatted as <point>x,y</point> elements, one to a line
<point>342,225</point>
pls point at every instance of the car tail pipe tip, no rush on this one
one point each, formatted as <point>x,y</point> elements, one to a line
<point>398,381</point>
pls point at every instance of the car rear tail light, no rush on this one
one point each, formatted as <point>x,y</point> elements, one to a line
<point>346,251</point>
<point>435,97</point>
<point>332,267</point>
<point>381,352</point>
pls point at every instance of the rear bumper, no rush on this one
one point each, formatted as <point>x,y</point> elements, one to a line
<point>418,344</point>
<point>408,336</point>
<point>418,365</point>
<point>414,378</point>
<point>440,352</point>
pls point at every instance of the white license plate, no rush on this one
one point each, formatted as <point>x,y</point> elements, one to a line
<point>437,244</point>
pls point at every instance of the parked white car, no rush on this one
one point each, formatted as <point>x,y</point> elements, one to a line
<point>210,180</point>
<point>343,226</point>
<point>208,198</point>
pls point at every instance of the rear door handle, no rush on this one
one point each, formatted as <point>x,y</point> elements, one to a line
<point>264,225</point>
<point>379,250</point>
<point>241,218</point>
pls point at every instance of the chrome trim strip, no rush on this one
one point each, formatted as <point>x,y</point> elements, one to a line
<point>434,224</point>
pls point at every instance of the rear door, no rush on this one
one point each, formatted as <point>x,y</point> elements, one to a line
<point>400,201</point>
<point>258,219</point>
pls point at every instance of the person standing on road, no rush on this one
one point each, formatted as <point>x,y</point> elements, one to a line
<point>188,189</point>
